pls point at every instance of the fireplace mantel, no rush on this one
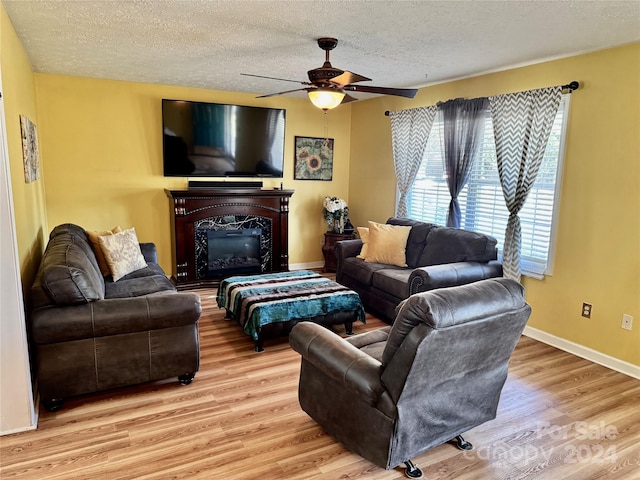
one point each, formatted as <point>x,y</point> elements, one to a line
<point>195,210</point>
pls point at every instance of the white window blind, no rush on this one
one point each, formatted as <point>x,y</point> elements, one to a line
<point>481,201</point>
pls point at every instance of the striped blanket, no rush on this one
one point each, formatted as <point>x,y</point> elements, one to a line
<point>257,300</point>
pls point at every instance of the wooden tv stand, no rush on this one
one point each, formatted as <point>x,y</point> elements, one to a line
<point>193,211</point>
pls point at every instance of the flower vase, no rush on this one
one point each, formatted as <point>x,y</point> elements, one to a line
<point>348,227</point>
<point>338,225</point>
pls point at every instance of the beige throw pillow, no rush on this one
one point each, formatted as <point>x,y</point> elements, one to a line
<point>93,236</point>
<point>122,253</point>
<point>387,244</point>
<point>363,232</point>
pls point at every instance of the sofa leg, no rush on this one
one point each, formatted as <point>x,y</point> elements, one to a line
<point>187,378</point>
<point>412,471</point>
<point>53,404</point>
<point>462,444</point>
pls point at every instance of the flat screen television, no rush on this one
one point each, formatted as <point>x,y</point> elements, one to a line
<point>219,140</point>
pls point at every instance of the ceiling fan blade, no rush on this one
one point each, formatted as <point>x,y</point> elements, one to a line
<point>281,93</point>
<point>348,98</point>
<point>275,78</point>
<point>400,92</point>
<point>348,77</point>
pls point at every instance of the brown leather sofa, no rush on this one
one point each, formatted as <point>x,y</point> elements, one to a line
<point>436,256</point>
<point>90,333</point>
<point>392,393</point>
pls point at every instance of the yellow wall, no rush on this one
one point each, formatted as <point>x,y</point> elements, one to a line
<point>103,157</point>
<point>18,92</point>
<point>598,245</point>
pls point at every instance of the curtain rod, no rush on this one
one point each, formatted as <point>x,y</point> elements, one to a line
<point>571,86</point>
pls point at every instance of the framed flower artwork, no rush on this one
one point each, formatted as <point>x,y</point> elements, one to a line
<point>30,157</point>
<point>313,158</point>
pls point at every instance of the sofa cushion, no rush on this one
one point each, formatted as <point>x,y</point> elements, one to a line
<point>69,228</point>
<point>148,271</point>
<point>68,275</point>
<point>393,280</point>
<point>387,244</point>
<point>449,245</point>
<point>417,238</point>
<point>69,233</point>
<point>136,286</point>
<point>360,270</point>
<point>122,253</point>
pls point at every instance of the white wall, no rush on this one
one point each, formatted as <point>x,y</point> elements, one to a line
<point>17,411</point>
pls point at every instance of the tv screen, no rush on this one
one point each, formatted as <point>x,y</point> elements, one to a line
<point>217,140</point>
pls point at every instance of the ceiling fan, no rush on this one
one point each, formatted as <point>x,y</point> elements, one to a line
<point>327,86</point>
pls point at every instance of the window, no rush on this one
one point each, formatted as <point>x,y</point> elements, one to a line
<point>481,201</point>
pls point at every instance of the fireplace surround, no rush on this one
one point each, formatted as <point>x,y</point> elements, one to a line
<point>196,212</point>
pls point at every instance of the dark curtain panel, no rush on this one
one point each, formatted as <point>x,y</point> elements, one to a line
<point>463,132</point>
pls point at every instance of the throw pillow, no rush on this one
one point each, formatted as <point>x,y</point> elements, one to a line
<point>387,244</point>
<point>363,232</point>
<point>93,236</point>
<point>122,252</point>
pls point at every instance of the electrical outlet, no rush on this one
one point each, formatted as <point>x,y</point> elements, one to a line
<point>627,321</point>
<point>586,310</point>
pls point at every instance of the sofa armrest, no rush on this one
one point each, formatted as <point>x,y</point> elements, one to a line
<point>369,338</point>
<point>348,248</point>
<point>149,252</point>
<point>343,250</point>
<point>451,274</point>
<point>344,363</point>
<point>115,316</point>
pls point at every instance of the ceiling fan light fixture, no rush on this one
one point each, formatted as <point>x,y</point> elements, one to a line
<point>326,98</point>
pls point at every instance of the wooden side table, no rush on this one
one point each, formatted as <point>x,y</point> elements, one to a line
<point>330,239</point>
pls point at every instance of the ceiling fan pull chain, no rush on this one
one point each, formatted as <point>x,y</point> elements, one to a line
<point>326,128</point>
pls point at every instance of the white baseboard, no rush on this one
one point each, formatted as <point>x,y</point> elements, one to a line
<point>34,421</point>
<point>305,266</point>
<point>18,430</point>
<point>584,352</point>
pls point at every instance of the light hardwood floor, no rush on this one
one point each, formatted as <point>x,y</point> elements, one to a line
<point>560,417</point>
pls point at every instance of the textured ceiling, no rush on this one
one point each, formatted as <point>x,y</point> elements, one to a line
<point>207,43</point>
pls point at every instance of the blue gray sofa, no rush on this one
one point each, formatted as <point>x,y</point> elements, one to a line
<point>436,256</point>
<point>90,333</point>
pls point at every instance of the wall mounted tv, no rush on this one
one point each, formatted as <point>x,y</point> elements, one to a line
<point>218,140</point>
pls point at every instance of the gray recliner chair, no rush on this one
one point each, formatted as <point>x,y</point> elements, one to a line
<point>390,394</point>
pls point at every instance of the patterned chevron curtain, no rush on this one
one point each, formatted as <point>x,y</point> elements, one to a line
<point>463,132</point>
<point>409,134</point>
<point>522,123</point>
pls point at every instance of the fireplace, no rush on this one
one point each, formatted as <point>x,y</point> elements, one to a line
<point>233,252</point>
<point>196,212</point>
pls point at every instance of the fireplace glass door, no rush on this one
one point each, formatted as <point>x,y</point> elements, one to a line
<point>232,252</point>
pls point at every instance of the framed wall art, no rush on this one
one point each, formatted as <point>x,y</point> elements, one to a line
<point>30,155</point>
<point>313,158</point>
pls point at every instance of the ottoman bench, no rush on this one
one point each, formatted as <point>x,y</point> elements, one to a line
<point>271,304</point>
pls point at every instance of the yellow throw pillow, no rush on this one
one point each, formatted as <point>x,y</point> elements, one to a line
<point>122,252</point>
<point>363,232</point>
<point>93,235</point>
<point>387,244</point>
